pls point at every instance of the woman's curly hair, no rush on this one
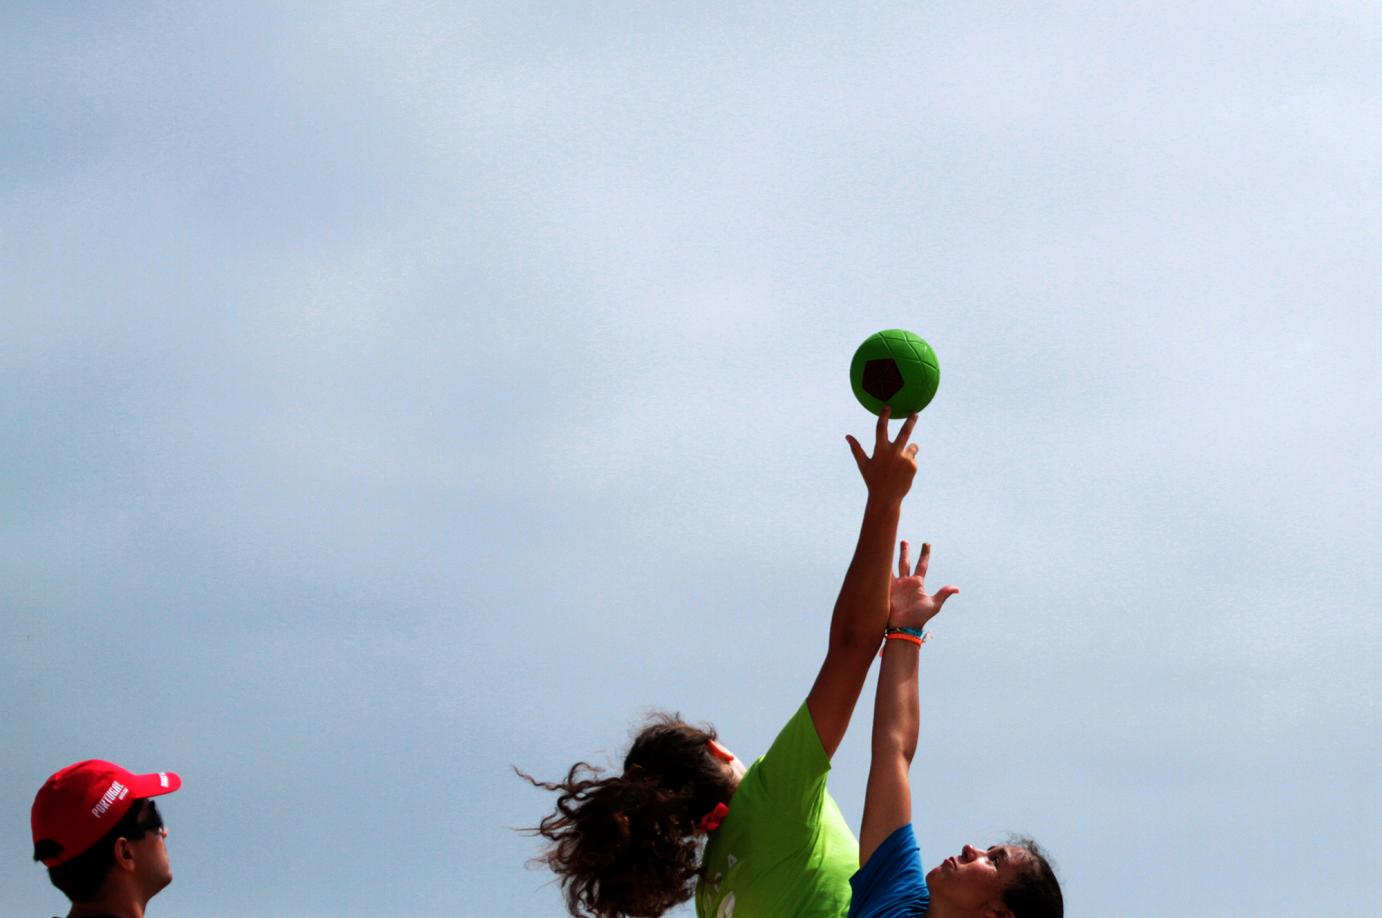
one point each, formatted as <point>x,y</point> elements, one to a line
<point>1036,891</point>
<point>627,845</point>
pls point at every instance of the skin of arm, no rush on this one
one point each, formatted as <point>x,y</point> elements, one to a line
<point>896,724</point>
<point>897,708</point>
<point>861,611</point>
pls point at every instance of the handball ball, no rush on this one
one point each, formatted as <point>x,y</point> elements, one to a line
<point>896,368</point>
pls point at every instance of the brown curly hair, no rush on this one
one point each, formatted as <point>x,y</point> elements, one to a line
<point>627,845</point>
<point>1036,891</point>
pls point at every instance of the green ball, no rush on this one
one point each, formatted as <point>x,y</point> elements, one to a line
<point>897,368</point>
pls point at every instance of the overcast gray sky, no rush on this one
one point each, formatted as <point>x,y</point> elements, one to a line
<point>396,392</point>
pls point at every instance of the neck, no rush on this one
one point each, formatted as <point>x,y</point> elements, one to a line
<point>943,909</point>
<point>110,906</point>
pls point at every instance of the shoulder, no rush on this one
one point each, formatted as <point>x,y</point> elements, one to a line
<point>892,882</point>
<point>799,739</point>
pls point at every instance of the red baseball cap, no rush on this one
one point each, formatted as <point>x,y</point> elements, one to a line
<point>79,804</point>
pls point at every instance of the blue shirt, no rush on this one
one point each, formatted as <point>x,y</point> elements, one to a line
<point>892,883</point>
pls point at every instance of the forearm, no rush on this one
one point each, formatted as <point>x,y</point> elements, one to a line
<point>856,626</point>
<point>861,610</point>
<point>897,706</point>
<point>896,720</point>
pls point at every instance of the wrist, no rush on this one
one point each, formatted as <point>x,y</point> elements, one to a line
<point>883,503</point>
<point>901,643</point>
<point>903,633</point>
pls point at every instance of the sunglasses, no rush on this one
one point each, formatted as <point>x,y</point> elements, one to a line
<point>151,820</point>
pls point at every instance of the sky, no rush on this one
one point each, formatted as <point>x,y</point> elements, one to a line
<point>395,394</point>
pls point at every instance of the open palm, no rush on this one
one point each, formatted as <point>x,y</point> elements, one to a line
<point>909,605</point>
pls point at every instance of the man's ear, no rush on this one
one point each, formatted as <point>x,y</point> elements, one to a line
<point>124,854</point>
<point>996,909</point>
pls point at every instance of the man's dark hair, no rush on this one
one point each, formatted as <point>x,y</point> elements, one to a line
<point>1036,892</point>
<point>81,878</point>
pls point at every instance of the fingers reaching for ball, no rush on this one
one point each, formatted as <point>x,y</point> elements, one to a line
<point>889,471</point>
<point>906,432</point>
<point>880,429</point>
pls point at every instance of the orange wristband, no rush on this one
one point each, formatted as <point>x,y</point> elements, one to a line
<point>899,636</point>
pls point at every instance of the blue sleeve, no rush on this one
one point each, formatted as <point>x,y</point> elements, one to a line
<point>892,884</point>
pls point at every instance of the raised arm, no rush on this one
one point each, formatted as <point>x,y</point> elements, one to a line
<point>897,708</point>
<point>861,611</point>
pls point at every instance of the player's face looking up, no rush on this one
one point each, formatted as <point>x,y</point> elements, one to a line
<point>974,880</point>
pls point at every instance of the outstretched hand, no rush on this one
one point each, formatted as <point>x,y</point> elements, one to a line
<point>889,471</point>
<point>909,605</point>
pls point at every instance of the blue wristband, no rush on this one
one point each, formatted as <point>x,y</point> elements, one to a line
<point>914,632</point>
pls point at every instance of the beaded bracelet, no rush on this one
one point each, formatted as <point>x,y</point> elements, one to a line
<point>917,633</point>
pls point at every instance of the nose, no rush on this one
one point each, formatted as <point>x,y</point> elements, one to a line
<point>969,853</point>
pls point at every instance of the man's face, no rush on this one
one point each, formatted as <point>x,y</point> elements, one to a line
<point>973,880</point>
<point>152,869</point>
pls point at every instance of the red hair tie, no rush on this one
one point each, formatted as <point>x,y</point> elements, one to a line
<point>711,821</point>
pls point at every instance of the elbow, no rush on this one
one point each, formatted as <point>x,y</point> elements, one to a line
<point>907,749</point>
<point>896,745</point>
